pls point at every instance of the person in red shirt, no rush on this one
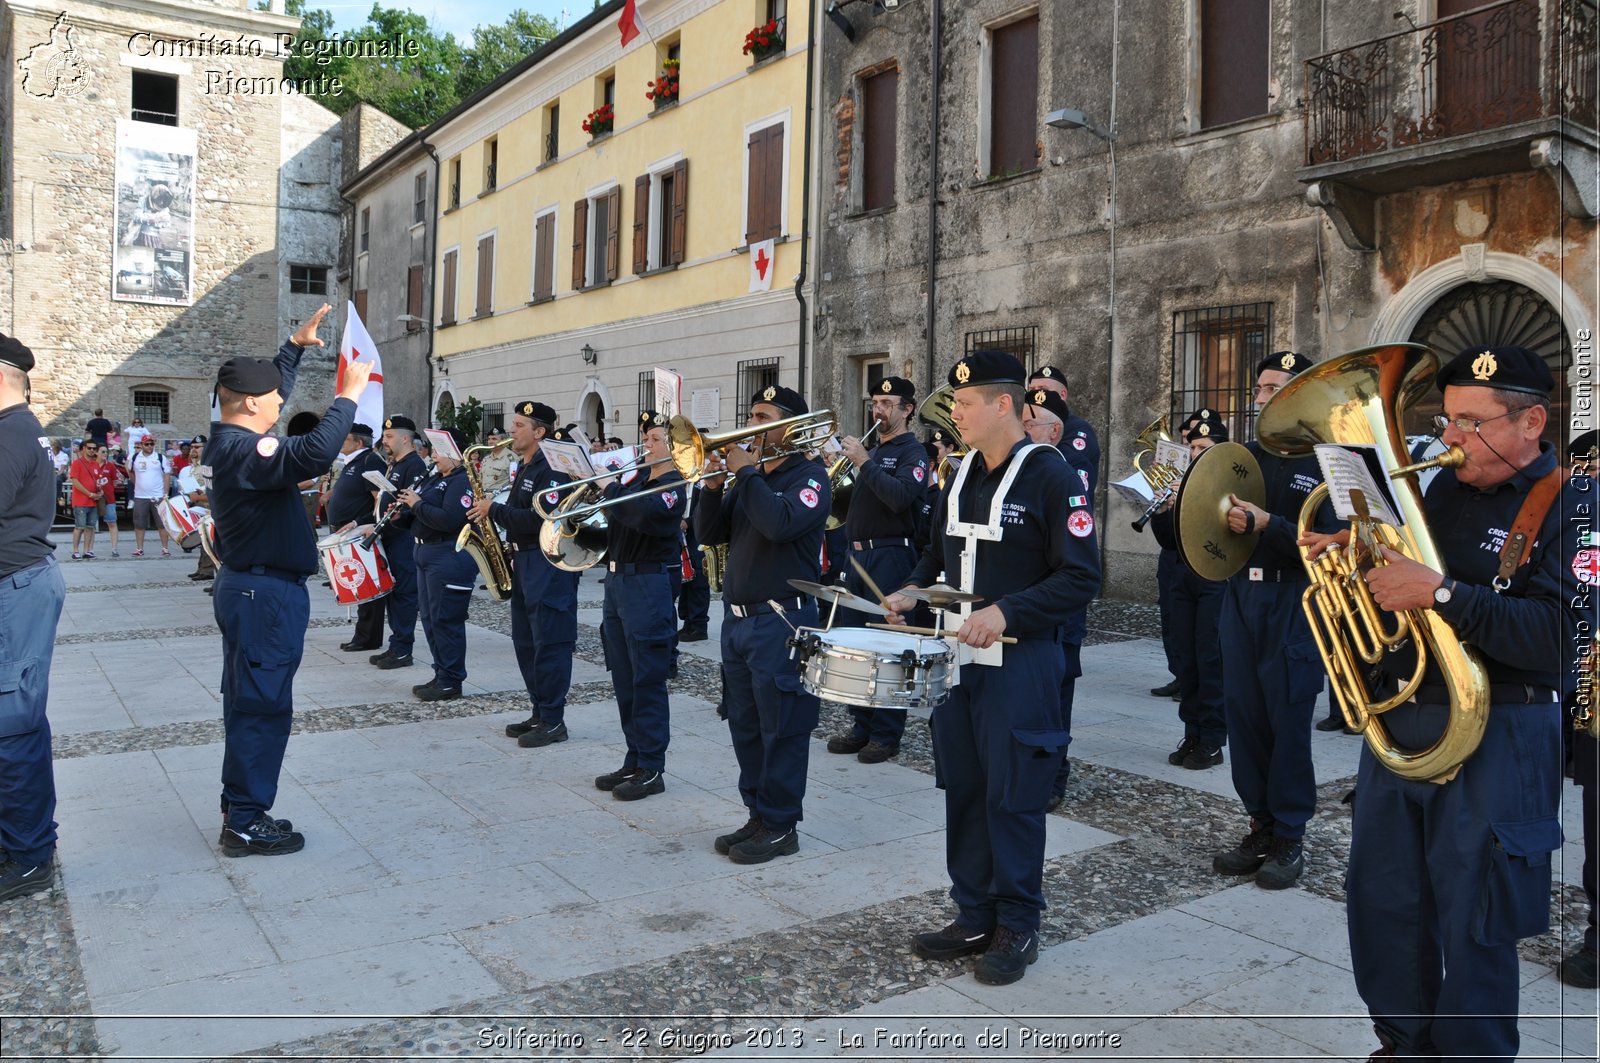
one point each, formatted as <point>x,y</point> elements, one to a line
<point>112,478</point>
<point>87,494</point>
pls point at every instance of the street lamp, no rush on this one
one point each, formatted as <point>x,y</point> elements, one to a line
<point>589,354</point>
<point>1070,118</point>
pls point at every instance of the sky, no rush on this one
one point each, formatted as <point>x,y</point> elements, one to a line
<point>458,16</point>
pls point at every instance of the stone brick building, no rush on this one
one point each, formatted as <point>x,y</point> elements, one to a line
<point>122,122</point>
<point>1319,177</point>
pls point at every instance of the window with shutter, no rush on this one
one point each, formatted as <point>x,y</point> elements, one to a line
<point>447,311</point>
<point>764,185</point>
<point>641,223</point>
<point>879,99</point>
<point>679,239</point>
<point>361,303</point>
<point>1014,97</point>
<point>613,231</point>
<point>544,256</point>
<point>484,305</point>
<point>580,234</point>
<point>1233,60</point>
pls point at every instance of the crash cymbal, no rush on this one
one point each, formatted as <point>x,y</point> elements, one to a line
<point>941,595</point>
<point>1200,515</point>
<point>837,593</point>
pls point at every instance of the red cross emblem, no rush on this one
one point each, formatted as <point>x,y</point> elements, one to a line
<point>348,573</point>
<point>762,262</point>
<point>1080,523</point>
<point>1586,566</point>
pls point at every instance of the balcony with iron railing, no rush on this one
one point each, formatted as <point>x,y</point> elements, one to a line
<point>1506,87</point>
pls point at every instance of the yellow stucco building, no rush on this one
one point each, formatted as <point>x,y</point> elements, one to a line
<point>574,254</point>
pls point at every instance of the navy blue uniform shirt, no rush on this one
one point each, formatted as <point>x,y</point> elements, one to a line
<point>647,526</point>
<point>517,515</point>
<point>890,487</point>
<point>1081,447</point>
<point>350,501</point>
<point>1288,482</point>
<point>441,509</point>
<point>1046,564</point>
<point>27,490</point>
<point>409,471</point>
<point>772,523</point>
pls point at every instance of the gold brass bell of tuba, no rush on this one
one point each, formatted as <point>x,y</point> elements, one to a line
<point>480,540</point>
<point>842,483</point>
<point>714,559</point>
<point>1586,711</point>
<point>936,410</point>
<point>1360,398</point>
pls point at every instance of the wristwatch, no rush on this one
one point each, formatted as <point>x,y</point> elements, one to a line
<point>1443,592</point>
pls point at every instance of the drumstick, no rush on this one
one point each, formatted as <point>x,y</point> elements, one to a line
<point>871,586</point>
<point>934,631</point>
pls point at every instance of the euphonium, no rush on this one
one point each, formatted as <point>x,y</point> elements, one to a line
<point>936,410</point>
<point>480,539</point>
<point>1360,398</point>
<point>842,482</point>
<point>715,561</point>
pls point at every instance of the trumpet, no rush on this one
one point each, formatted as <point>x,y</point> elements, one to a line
<point>691,449</point>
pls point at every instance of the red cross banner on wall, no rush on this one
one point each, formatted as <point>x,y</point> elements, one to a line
<point>761,265</point>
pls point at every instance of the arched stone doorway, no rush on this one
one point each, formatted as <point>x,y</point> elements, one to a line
<point>444,409</point>
<point>593,408</point>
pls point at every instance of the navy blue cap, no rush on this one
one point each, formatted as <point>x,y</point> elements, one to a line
<point>649,419</point>
<point>1048,372</point>
<point>1049,400</point>
<point>898,386</point>
<point>786,399</point>
<point>12,352</point>
<point>536,411</point>
<point>1505,368</point>
<point>1289,362</point>
<point>249,376</point>
<point>987,367</point>
<point>401,422</point>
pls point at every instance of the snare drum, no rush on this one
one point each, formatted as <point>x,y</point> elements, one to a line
<point>358,573</point>
<point>881,669</point>
<point>180,521</point>
<point>208,538</point>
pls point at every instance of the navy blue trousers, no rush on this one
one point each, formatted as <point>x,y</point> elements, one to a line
<point>1169,569</point>
<point>263,621</point>
<point>694,602</point>
<point>770,715</point>
<point>30,608</point>
<point>1196,608</point>
<point>1586,773</point>
<point>1072,669</point>
<point>997,744</point>
<point>1444,879</point>
<point>1272,675</point>
<point>544,631</point>
<point>400,604</point>
<point>638,629</point>
<point>888,566</point>
<point>444,589</point>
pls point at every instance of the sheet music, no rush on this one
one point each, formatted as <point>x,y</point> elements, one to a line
<point>378,480</point>
<point>443,444</point>
<point>1173,454</point>
<point>570,458</point>
<point>1348,467</point>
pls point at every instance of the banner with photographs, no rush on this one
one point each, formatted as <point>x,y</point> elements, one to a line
<point>153,260</point>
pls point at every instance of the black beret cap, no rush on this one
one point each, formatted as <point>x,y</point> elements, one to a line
<point>941,435</point>
<point>197,439</point>
<point>1284,362</point>
<point>1051,401</point>
<point>786,399</point>
<point>1204,413</point>
<point>400,422</point>
<point>536,411</point>
<point>15,353</point>
<point>649,419</point>
<point>1215,431</point>
<point>1048,372</point>
<point>249,376</point>
<point>987,367</point>
<point>560,435</point>
<point>1506,368</point>
<point>359,429</point>
<point>898,386</point>
<point>1584,444</point>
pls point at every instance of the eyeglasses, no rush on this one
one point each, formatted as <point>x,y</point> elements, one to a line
<point>1468,425</point>
<point>1270,389</point>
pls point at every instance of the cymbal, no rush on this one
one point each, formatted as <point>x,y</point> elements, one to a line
<point>940,595</point>
<point>1210,549</point>
<point>837,593</point>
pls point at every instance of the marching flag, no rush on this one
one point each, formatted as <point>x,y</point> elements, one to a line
<point>761,265</point>
<point>357,346</point>
<point>630,23</point>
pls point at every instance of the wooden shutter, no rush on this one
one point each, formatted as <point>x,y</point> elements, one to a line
<point>361,303</point>
<point>414,298</point>
<point>765,203</point>
<point>641,223</point>
<point>1233,60</point>
<point>580,234</point>
<point>1014,97</point>
<point>485,302</point>
<point>880,99</point>
<point>754,181</point>
<point>544,256</point>
<point>447,315</point>
<point>613,233</point>
<point>679,242</point>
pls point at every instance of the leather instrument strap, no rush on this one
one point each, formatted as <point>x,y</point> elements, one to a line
<point>1530,518</point>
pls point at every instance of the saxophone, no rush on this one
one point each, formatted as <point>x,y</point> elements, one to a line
<point>715,561</point>
<point>480,539</point>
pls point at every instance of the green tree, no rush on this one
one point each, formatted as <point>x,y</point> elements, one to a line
<point>496,49</point>
<point>466,418</point>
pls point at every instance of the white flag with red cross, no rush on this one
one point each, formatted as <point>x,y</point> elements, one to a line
<point>761,265</point>
<point>357,346</point>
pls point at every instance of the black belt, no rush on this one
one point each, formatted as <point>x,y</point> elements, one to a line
<point>431,542</point>
<point>517,548</point>
<point>873,544</point>
<point>298,578</point>
<point>641,568</point>
<point>1499,694</point>
<point>1276,575</point>
<point>756,609</point>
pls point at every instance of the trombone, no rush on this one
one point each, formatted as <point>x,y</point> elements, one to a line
<point>691,449</point>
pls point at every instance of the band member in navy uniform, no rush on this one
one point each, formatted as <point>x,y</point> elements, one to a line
<point>1270,667</point>
<point>891,486</point>
<point>31,596</point>
<point>268,550</point>
<point>1079,445</point>
<point>1196,606</point>
<point>1446,876</point>
<point>939,446</point>
<point>1581,966</point>
<point>406,469</point>
<point>1005,528</point>
<point>445,578</point>
<point>544,599</point>
<point>350,504</point>
<point>771,514</point>
<point>644,546</point>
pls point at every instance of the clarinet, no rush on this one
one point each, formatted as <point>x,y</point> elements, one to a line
<point>388,514</point>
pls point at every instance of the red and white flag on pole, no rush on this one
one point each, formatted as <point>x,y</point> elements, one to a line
<point>357,346</point>
<point>761,265</point>
<point>630,23</point>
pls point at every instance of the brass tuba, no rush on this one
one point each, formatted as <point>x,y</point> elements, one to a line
<point>936,410</point>
<point>1586,711</point>
<point>1360,398</point>
<point>842,483</point>
<point>480,539</point>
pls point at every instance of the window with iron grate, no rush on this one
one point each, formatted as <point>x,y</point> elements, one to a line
<point>1215,350</point>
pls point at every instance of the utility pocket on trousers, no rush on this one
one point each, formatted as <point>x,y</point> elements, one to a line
<point>1035,758</point>
<point>21,710</point>
<point>1515,900</point>
<point>1307,674</point>
<point>265,678</point>
<point>798,711</point>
